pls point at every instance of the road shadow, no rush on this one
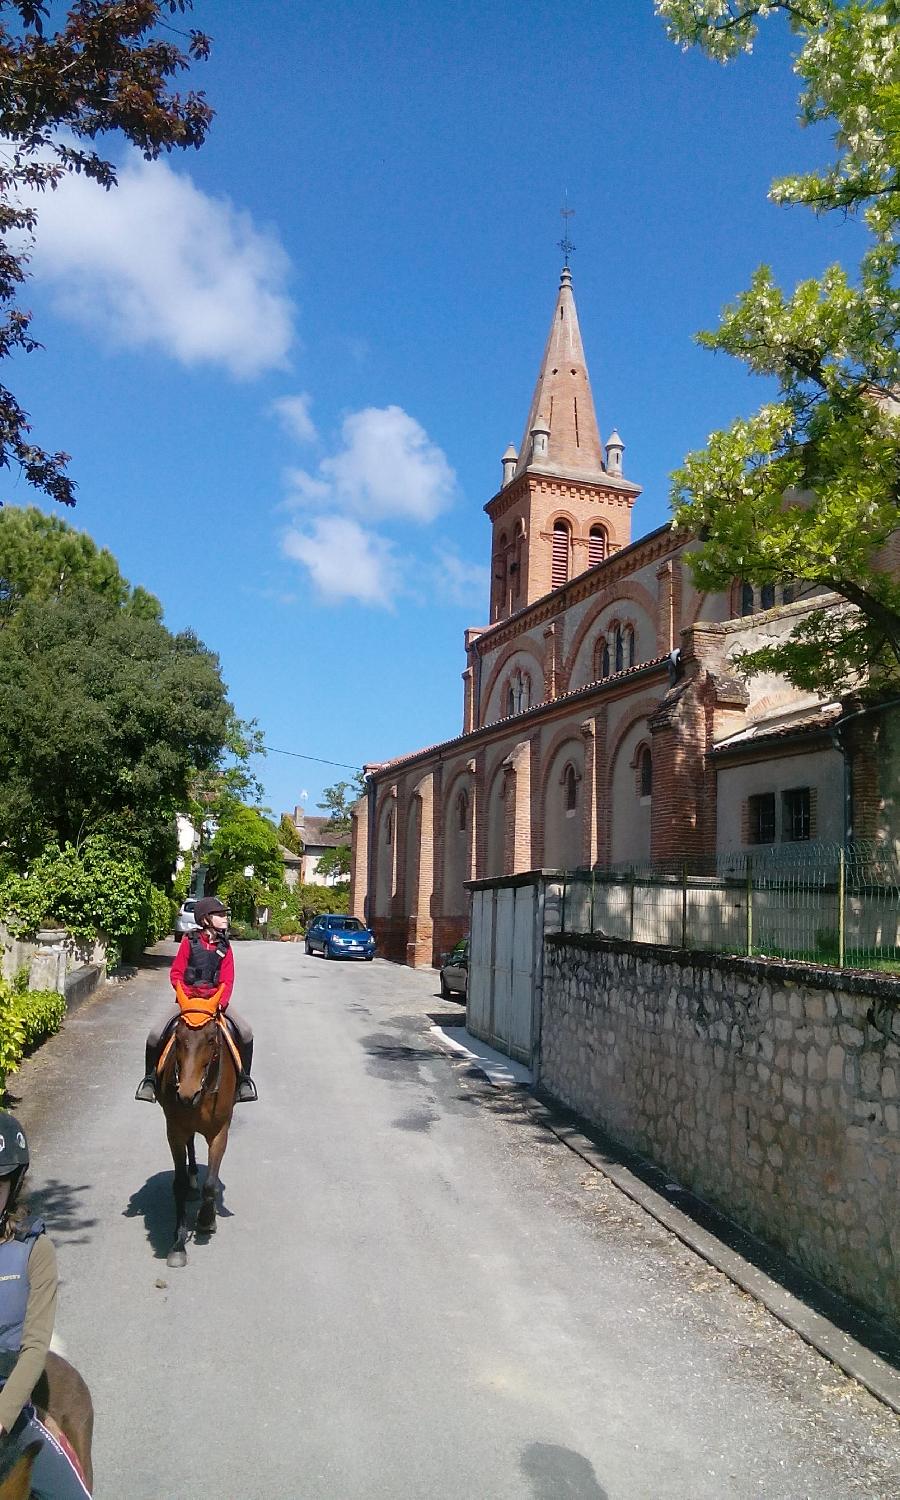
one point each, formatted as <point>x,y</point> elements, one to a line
<point>57,1203</point>
<point>557,1473</point>
<point>155,1204</point>
<point>157,960</point>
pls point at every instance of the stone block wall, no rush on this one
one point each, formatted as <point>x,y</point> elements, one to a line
<point>770,1089</point>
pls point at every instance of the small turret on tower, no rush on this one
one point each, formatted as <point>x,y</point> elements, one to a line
<point>540,438</point>
<point>509,461</point>
<point>614,450</point>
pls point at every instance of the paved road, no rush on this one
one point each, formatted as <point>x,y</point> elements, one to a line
<point>414,1294</point>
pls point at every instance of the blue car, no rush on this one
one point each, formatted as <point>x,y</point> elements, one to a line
<point>337,936</point>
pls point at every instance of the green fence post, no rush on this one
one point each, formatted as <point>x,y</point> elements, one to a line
<point>631,906</point>
<point>749,907</point>
<point>684,906</point>
<point>842,891</point>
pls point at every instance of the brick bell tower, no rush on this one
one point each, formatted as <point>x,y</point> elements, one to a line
<point>564,504</point>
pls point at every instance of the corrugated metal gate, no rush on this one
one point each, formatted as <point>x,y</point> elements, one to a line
<point>506,964</point>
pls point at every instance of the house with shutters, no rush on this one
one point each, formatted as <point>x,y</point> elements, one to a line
<point>603,720</point>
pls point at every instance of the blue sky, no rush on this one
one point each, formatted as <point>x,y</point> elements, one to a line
<point>286,366</point>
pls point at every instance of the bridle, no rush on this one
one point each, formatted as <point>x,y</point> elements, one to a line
<point>216,1056</point>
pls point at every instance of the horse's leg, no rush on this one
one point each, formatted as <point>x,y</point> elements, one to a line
<point>206,1218</point>
<point>193,1180</point>
<point>177,1256</point>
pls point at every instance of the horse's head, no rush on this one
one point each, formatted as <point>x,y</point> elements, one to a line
<point>196,1053</point>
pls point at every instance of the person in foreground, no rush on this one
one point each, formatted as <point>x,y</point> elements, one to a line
<point>28,1287</point>
<point>204,964</point>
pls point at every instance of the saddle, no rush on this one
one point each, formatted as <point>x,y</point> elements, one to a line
<point>197,1011</point>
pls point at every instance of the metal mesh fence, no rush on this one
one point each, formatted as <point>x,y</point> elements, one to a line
<point>818,902</point>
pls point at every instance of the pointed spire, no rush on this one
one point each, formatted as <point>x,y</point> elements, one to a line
<point>563,399</point>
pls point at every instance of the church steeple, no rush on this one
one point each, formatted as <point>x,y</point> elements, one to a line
<point>562,400</point>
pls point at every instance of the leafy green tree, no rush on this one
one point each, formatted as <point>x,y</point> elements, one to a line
<point>334,862</point>
<point>338,802</point>
<point>106,71</point>
<point>806,491</point>
<point>104,717</point>
<point>42,557</point>
<point>287,832</point>
<point>245,838</point>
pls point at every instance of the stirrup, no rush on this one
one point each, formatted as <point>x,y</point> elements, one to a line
<point>146,1090</point>
<point>246,1090</point>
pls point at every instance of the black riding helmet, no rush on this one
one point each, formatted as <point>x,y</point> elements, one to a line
<point>209,906</point>
<point>14,1158</point>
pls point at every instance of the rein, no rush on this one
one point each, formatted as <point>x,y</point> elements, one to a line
<point>215,1058</point>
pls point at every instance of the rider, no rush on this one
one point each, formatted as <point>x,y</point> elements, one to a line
<point>28,1285</point>
<point>203,964</point>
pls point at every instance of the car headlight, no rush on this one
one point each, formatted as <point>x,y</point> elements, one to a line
<point>336,939</point>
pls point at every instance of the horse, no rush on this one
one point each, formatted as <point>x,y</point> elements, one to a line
<point>196,1086</point>
<point>63,1403</point>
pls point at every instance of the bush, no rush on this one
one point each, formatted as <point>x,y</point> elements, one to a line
<point>160,916</point>
<point>98,887</point>
<point>26,1018</point>
<point>243,931</point>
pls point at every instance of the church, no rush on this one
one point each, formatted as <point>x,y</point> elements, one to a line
<point>603,721</point>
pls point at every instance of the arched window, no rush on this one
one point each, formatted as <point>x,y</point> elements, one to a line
<point>570,788</point>
<point>604,660</point>
<point>746,598</point>
<point>767,596</point>
<point>525,692</point>
<point>620,649</point>
<point>646,772</point>
<point>559,571</point>
<point>510,701</point>
<point>499,578</point>
<point>389,829</point>
<point>630,654</point>
<point>462,812</point>
<point>596,545</point>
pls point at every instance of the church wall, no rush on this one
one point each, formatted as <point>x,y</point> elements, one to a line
<point>820,770</point>
<point>768,692</point>
<point>629,812</point>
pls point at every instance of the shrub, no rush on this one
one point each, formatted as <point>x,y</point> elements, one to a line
<point>160,916</point>
<point>26,1018</point>
<point>98,887</point>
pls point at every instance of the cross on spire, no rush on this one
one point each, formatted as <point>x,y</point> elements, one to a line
<point>565,244</point>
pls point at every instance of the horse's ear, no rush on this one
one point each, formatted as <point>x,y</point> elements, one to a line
<point>16,1482</point>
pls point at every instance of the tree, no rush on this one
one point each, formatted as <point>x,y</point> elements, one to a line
<point>806,491</point>
<point>334,863</point>
<point>41,557</point>
<point>244,838</point>
<point>104,716</point>
<point>106,71</point>
<point>338,801</point>
<point>287,832</point>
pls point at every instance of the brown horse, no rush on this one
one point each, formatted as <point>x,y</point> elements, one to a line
<point>196,1087</point>
<point>63,1403</point>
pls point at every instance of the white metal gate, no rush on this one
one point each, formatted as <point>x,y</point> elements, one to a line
<point>506,956</point>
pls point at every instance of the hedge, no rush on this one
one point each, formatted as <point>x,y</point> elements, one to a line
<point>26,1018</point>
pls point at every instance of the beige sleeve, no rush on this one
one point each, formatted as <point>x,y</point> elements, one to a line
<point>43,1281</point>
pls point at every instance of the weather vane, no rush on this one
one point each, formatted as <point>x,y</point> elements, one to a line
<point>565,244</point>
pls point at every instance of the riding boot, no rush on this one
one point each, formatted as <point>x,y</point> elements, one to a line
<point>146,1089</point>
<point>246,1088</point>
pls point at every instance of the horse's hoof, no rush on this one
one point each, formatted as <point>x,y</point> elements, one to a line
<point>175,1259</point>
<point>206,1225</point>
<point>193,1183</point>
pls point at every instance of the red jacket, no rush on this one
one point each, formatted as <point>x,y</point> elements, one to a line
<point>226,973</point>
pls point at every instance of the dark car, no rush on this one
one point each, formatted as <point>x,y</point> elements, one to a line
<point>339,936</point>
<point>455,973</point>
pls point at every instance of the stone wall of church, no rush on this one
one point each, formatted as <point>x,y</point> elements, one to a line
<point>772,1090</point>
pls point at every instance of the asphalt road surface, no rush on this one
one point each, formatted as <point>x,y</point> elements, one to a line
<point>414,1291</point>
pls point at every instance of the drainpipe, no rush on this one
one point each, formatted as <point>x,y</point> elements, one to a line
<point>839,744</point>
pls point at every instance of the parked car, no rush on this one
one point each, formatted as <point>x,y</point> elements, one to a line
<point>184,922</point>
<point>455,973</point>
<point>338,936</point>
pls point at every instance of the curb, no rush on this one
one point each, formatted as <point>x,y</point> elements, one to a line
<point>879,1376</point>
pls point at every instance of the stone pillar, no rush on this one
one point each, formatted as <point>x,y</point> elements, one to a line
<point>549,663</point>
<point>468,678</point>
<point>420,926</point>
<point>665,622</point>
<point>359,858</point>
<point>48,966</point>
<point>517,799</point>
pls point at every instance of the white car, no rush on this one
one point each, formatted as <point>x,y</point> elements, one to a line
<point>184,922</point>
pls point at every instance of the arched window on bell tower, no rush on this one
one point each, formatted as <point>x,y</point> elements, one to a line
<point>562,548</point>
<point>597,545</point>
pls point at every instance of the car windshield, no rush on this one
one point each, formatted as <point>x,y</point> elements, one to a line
<point>189,905</point>
<point>346,924</point>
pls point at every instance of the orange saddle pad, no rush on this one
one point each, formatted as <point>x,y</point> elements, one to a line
<point>196,1010</point>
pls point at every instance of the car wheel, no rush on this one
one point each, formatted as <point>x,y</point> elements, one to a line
<point>326,951</point>
<point>369,957</point>
<point>308,949</point>
<point>446,991</point>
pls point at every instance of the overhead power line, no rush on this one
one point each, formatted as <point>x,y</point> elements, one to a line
<point>298,755</point>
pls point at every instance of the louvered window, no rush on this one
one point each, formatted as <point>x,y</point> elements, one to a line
<point>596,546</point>
<point>560,570</point>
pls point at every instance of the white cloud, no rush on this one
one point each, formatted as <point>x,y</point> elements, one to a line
<point>293,412</point>
<point>387,467</point>
<point>462,582</point>
<point>345,560</point>
<point>156,263</point>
